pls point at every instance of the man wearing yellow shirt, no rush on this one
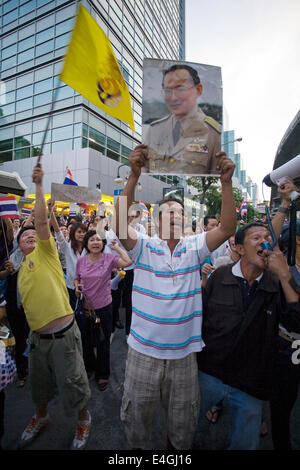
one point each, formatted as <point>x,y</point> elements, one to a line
<point>55,358</point>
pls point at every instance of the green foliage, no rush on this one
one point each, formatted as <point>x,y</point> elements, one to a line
<point>209,193</point>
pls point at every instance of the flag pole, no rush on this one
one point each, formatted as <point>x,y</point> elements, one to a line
<point>5,241</point>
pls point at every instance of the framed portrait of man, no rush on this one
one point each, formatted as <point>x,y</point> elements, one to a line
<point>182,117</point>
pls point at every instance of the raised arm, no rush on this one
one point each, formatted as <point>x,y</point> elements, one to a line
<point>284,190</point>
<point>41,216</point>
<point>226,229</point>
<point>125,233</point>
<point>124,260</point>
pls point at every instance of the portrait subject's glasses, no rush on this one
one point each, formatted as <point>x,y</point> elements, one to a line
<point>178,91</point>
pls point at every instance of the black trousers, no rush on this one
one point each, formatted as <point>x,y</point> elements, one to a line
<point>284,394</point>
<point>123,293</point>
<point>19,326</point>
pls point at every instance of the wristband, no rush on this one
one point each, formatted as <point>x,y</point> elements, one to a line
<point>283,210</point>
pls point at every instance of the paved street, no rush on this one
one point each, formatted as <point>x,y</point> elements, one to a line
<point>107,431</point>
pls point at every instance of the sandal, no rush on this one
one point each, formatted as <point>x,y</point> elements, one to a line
<point>102,385</point>
<point>213,414</point>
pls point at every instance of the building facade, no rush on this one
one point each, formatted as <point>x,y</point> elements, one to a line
<point>34,38</point>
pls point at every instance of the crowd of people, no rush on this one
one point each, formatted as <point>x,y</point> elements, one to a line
<point>208,311</point>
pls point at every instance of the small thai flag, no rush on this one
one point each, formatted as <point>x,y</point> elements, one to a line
<point>8,208</point>
<point>25,212</point>
<point>72,213</point>
<point>69,178</point>
<point>243,208</point>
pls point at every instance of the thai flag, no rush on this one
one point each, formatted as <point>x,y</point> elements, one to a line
<point>243,208</point>
<point>8,208</point>
<point>72,213</point>
<point>25,212</point>
<point>69,178</point>
<point>83,205</point>
<point>237,210</point>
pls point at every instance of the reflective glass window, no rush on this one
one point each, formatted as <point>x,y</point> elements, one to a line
<point>43,72</point>
<point>27,31</point>
<point>61,133</point>
<point>8,6</point>
<point>24,92</point>
<point>6,144</point>
<point>22,129</point>
<point>8,109</point>
<point>112,155</point>
<point>39,125</point>
<point>43,98</point>
<point>8,97</point>
<point>22,153</point>
<point>27,7</point>
<point>62,119</point>
<point>6,156</point>
<point>64,13</point>
<point>64,27</point>
<point>22,105</point>
<point>64,92</point>
<point>23,141</point>
<point>26,43</point>
<point>10,39</point>
<point>44,48</point>
<point>85,130</point>
<point>113,145</point>
<point>45,35</point>
<point>61,146</point>
<point>43,85</point>
<point>63,40</point>
<point>9,17</point>
<point>96,136</point>
<point>9,51</point>
<point>77,130</point>
<point>8,63</point>
<point>40,3</point>
<point>25,56</point>
<point>44,23</point>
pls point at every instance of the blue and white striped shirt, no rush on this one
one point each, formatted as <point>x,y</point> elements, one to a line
<point>166,297</point>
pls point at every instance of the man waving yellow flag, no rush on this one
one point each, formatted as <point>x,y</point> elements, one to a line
<point>91,69</point>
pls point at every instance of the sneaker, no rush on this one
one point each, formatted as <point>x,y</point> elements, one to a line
<point>82,434</point>
<point>33,429</point>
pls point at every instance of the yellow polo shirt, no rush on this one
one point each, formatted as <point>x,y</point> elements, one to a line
<point>42,285</point>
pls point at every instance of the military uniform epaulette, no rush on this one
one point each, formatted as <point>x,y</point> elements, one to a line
<point>211,121</point>
<point>160,120</point>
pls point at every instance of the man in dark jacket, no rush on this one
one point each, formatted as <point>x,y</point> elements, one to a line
<point>242,306</point>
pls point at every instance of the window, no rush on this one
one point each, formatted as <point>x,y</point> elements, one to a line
<point>29,6</point>
<point>9,51</point>
<point>25,56</point>
<point>64,92</point>
<point>96,136</point>
<point>61,133</point>
<point>22,105</point>
<point>64,27</point>
<point>62,146</point>
<point>62,41</point>
<point>43,85</point>
<point>6,144</point>
<point>45,35</point>
<point>9,17</point>
<point>23,141</point>
<point>44,48</point>
<point>8,63</point>
<point>6,156</point>
<point>24,92</point>
<point>22,153</point>
<point>43,98</point>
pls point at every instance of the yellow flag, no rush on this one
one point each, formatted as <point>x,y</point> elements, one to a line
<point>16,196</point>
<point>91,69</point>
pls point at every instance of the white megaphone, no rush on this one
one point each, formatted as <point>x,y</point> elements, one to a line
<point>287,172</point>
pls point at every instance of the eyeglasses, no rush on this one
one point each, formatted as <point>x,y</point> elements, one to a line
<point>178,91</point>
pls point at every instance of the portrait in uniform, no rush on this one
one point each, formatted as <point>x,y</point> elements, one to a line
<point>182,124</point>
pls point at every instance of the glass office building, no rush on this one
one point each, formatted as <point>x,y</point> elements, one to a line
<point>34,38</point>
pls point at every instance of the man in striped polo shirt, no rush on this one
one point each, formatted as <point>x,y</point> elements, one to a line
<point>166,313</point>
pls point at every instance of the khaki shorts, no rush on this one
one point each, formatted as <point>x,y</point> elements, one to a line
<point>148,381</point>
<point>56,366</point>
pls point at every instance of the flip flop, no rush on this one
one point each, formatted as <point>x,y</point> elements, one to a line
<point>213,414</point>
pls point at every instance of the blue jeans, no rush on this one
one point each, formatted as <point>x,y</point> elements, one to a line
<point>246,411</point>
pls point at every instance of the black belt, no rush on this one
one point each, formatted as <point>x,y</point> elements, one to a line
<point>58,334</point>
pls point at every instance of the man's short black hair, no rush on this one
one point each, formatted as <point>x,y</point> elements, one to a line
<point>193,73</point>
<point>207,217</point>
<point>242,231</point>
<point>171,198</point>
<point>23,229</point>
